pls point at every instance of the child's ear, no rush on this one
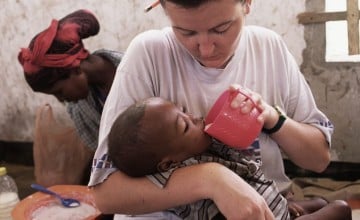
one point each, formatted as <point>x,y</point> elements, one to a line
<point>166,164</point>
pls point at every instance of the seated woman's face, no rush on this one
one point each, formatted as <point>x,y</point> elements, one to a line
<point>73,88</point>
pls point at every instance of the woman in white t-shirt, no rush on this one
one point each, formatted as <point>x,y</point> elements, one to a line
<point>207,49</point>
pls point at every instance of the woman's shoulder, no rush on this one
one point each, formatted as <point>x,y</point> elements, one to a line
<point>108,52</point>
<point>153,43</point>
<point>256,29</point>
<point>263,37</point>
<point>261,32</point>
<point>114,56</point>
<point>154,33</point>
<point>154,37</point>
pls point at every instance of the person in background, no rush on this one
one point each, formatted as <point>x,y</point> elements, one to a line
<point>166,138</point>
<point>57,63</point>
<point>208,48</point>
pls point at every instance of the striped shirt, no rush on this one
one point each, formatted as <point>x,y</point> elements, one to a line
<point>246,164</point>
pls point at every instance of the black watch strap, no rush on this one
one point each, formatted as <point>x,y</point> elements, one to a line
<point>278,124</point>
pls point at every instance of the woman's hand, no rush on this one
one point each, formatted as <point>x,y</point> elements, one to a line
<point>293,137</point>
<point>268,116</point>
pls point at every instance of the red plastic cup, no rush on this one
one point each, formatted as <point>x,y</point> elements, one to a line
<point>229,125</point>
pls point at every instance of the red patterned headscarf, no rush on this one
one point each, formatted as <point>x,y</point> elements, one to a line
<point>58,47</point>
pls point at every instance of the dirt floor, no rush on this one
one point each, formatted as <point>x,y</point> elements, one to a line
<point>24,177</point>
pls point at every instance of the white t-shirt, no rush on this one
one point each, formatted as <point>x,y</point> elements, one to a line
<point>156,64</point>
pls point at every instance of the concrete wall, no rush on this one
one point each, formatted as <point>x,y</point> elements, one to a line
<point>120,21</point>
<point>336,89</point>
<point>20,20</point>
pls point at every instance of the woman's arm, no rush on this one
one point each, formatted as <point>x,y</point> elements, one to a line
<point>304,144</point>
<point>233,196</point>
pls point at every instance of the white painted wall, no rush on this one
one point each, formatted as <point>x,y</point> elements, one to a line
<point>120,21</point>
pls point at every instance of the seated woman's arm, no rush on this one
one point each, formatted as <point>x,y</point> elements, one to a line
<point>233,196</point>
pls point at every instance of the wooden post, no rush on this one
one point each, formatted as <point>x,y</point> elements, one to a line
<point>353,26</point>
<point>352,16</point>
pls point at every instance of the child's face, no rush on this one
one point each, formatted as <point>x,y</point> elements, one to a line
<point>180,134</point>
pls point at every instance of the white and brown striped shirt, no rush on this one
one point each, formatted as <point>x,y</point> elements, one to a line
<point>246,164</point>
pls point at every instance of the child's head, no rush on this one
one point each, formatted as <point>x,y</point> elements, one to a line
<point>153,136</point>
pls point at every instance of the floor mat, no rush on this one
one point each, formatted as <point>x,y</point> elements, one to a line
<point>330,190</point>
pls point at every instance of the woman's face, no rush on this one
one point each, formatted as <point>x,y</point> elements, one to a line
<point>211,31</point>
<point>73,88</point>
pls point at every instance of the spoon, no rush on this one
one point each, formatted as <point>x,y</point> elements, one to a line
<point>67,202</point>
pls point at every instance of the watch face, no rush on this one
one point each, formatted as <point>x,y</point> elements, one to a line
<point>279,123</point>
<point>280,111</point>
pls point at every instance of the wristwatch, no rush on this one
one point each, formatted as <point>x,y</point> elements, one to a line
<point>279,123</point>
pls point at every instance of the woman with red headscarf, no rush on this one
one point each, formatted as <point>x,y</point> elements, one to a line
<point>57,63</point>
